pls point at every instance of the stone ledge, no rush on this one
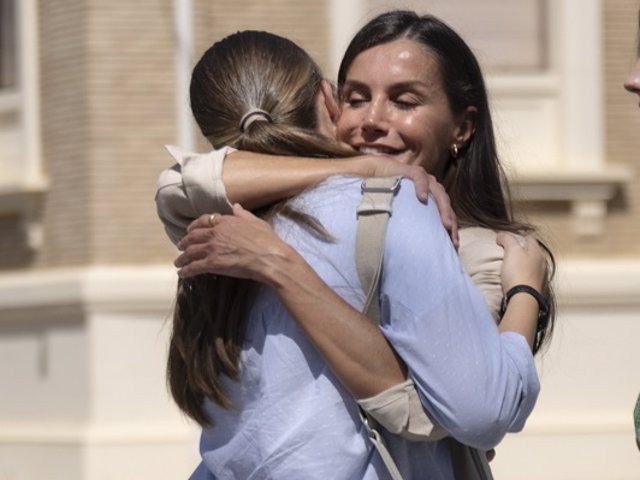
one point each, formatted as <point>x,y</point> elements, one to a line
<point>588,193</point>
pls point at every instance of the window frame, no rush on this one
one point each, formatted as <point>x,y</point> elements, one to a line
<point>22,194</point>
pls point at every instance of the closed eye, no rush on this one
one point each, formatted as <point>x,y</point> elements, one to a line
<point>355,99</point>
<point>402,105</point>
<point>406,101</point>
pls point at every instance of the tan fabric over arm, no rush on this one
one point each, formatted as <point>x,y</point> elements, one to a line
<point>399,410</point>
<point>191,187</point>
<point>482,259</point>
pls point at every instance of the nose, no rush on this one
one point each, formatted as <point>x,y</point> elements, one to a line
<point>632,84</point>
<point>375,117</point>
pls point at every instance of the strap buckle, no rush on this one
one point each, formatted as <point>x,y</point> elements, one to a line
<point>380,185</point>
<point>371,431</point>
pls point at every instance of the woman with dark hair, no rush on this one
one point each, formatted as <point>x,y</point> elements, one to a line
<point>467,166</point>
<point>479,417</point>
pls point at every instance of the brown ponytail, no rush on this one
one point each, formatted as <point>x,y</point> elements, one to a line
<point>247,70</point>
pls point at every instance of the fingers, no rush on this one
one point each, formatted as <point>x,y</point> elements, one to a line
<point>421,181</point>
<point>510,240</point>
<point>190,255</point>
<point>450,223</point>
<point>455,235</point>
<point>196,236</point>
<point>213,219</point>
<point>238,211</point>
<point>524,260</point>
<point>194,268</point>
<point>206,222</point>
<point>504,239</point>
<point>447,215</point>
<point>203,221</point>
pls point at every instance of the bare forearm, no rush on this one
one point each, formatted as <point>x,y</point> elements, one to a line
<point>524,263</point>
<point>521,317</point>
<point>355,349</point>
<point>254,180</point>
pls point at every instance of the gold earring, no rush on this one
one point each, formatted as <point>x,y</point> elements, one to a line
<point>454,151</point>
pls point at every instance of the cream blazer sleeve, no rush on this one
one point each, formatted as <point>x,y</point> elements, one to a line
<point>398,409</point>
<point>191,187</point>
<point>482,259</point>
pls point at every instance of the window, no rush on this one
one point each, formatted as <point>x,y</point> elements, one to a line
<point>9,92</point>
<point>8,44</point>
<point>21,182</point>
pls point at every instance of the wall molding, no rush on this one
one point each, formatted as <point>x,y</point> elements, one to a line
<point>86,434</point>
<point>588,192</point>
<point>139,289</point>
<point>598,283</point>
<point>56,292</point>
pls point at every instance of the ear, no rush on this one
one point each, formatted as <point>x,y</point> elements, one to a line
<point>466,126</point>
<point>327,110</point>
<point>330,101</point>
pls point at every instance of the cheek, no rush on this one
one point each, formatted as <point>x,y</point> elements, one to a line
<point>432,138</point>
<point>345,125</point>
<point>422,131</point>
<point>413,126</point>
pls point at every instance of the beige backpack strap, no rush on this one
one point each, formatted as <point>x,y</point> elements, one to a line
<point>378,443</point>
<point>373,214</point>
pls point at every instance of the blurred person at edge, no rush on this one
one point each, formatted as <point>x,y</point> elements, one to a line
<point>632,84</point>
<point>262,272</point>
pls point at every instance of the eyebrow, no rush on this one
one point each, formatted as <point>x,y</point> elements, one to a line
<point>396,86</point>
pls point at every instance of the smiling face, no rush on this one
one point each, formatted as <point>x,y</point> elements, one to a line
<point>393,103</point>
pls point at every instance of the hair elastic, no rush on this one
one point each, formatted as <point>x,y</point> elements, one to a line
<point>254,115</point>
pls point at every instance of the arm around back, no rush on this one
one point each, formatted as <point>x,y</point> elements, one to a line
<point>476,383</point>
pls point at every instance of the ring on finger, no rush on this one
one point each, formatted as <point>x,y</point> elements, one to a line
<point>213,218</point>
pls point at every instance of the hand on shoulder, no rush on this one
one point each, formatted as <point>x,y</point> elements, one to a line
<point>525,261</point>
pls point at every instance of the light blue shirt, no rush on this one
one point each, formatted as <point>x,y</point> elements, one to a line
<point>292,418</point>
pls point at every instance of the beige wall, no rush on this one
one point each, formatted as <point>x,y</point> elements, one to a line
<point>130,107</point>
<point>65,136</point>
<point>107,86</point>
<point>304,21</point>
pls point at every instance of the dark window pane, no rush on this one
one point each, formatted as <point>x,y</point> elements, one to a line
<point>7,44</point>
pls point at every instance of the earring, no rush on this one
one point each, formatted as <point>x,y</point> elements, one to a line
<point>454,151</point>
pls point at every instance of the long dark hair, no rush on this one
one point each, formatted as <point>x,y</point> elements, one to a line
<point>244,71</point>
<point>475,181</point>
